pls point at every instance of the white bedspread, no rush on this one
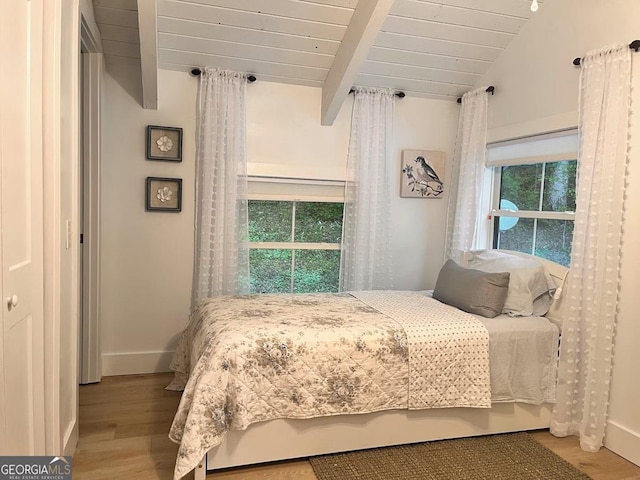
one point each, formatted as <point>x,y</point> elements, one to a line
<point>253,358</point>
<point>448,350</point>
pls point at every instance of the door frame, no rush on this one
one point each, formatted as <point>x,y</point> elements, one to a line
<point>61,139</point>
<point>91,76</point>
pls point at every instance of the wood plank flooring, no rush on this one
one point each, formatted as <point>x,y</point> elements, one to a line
<point>124,423</point>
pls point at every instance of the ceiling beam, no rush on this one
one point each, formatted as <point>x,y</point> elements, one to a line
<point>148,31</point>
<point>359,37</point>
<point>91,34</point>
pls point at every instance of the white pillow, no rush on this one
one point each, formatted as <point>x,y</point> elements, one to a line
<point>530,287</point>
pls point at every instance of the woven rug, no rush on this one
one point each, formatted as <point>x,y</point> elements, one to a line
<point>514,456</point>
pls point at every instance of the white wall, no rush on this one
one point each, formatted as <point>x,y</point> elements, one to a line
<point>537,91</point>
<point>284,135</point>
<point>147,257</point>
<point>418,225</point>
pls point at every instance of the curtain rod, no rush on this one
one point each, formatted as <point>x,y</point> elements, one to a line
<point>397,94</point>
<point>490,89</point>
<point>196,72</point>
<point>635,45</point>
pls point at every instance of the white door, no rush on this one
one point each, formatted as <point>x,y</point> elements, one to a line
<point>22,430</point>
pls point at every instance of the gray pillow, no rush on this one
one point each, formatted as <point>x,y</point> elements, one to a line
<point>472,290</point>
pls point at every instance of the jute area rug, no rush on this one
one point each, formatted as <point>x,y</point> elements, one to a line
<point>514,456</point>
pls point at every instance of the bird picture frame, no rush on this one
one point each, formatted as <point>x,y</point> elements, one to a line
<point>422,174</point>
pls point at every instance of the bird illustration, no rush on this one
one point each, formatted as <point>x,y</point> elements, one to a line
<point>423,179</point>
<point>426,174</point>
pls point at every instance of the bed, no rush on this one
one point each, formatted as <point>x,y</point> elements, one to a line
<point>275,377</point>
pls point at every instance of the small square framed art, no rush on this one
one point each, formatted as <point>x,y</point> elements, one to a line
<point>164,143</point>
<point>164,194</point>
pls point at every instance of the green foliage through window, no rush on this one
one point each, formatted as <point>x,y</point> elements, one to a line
<point>284,253</point>
<point>543,191</point>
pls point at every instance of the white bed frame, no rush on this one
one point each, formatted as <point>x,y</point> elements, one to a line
<point>287,439</point>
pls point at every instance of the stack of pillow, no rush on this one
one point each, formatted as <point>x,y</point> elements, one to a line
<point>496,282</point>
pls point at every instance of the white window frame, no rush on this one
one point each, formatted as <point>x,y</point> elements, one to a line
<point>540,149</point>
<point>280,194</point>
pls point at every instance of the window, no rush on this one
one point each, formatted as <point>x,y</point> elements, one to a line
<point>294,246</point>
<point>534,207</point>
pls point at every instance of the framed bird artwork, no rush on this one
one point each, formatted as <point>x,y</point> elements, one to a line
<point>422,174</point>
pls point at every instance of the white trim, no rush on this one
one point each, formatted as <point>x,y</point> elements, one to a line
<point>538,149</point>
<point>132,363</point>
<point>90,368</point>
<point>565,132</point>
<point>71,437</point>
<point>562,121</point>
<point>52,134</point>
<point>71,139</point>
<point>294,198</point>
<point>295,189</point>
<point>302,171</point>
<point>541,215</point>
<point>623,441</point>
<point>297,181</point>
<point>558,157</point>
<point>294,246</point>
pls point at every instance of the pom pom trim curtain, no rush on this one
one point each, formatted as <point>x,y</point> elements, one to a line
<point>586,350</point>
<point>221,259</point>
<point>365,262</point>
<point>469,168</point>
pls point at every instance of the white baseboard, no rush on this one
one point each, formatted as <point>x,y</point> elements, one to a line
<point>71,439</point>
<point>623,441</point>
<point>135,363</point>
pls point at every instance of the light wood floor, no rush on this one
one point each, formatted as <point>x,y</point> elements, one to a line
<point>123,435</point>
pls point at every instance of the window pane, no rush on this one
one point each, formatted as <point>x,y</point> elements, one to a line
<point>270,221</point>
<point>519,237</point>
<point>560,187</point>
<point>316,271</point>
<point>553,240</point>
<point>521,185</point>
<point>318,222</point>
<point>270,271</point>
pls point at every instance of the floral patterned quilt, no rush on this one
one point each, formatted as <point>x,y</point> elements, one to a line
<point>246,359</point>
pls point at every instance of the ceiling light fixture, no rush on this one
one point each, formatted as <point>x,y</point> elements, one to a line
<point>534,6</point>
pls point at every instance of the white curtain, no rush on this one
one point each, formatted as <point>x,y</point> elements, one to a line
<point>593,285</point>
<point>221,263</point>
<point>468,173</point>
<point>366,254</point>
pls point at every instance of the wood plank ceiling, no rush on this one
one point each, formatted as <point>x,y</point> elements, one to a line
<point>433,49</point>
<point>117,21</point>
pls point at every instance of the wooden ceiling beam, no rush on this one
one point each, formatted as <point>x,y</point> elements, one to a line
<point>148,32</point>
<point>363,28</point>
